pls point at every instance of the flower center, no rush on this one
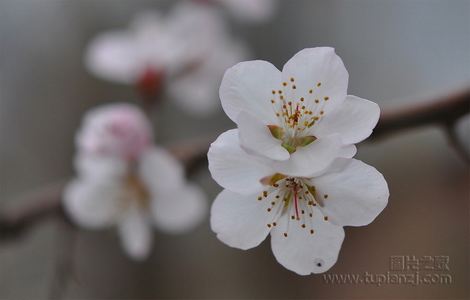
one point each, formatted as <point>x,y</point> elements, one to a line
<point>290,143</point>
<point>135,190</point>
<point>291,197</point>
<point>150,82</point>
<point>297,114</point>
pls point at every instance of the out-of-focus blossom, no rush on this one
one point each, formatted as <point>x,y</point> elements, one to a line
<point>120,130</point>
<point>300,118</point>
<point>304,215</point>
<point>251,10</point>
<point>287,170</point>
<point>126,181</point>
<point>184,52</point>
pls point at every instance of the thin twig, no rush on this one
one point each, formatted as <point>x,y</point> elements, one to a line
<point>441,111</point>
<point>46,202</point>
<point>38,205</point>
<point>192,153</point>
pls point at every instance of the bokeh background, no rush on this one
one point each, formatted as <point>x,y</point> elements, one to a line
<point>397,52</point>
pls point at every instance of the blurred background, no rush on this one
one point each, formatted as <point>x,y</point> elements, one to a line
<point>397,53</point>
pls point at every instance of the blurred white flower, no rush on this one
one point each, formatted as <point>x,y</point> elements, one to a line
<point>251,10</point>
<point>125,181</point>
<point>302,117</point>
<point>305,215</point>
<point>185,52</point>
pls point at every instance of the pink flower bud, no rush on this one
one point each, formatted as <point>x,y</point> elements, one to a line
<point>117,129</point>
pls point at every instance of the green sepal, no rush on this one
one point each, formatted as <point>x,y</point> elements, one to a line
<point>271,180</point>
<point>291,149</point>
<point>276,131</point>
<point>306,140</point>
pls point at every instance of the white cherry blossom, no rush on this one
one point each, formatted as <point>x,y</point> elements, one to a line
<point>288,169</point>
<point>300,117</point>
<point>304,215</point>
<point>124,180</point>
<point>184,53</point>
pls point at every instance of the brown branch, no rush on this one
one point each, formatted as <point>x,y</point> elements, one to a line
<point>46,203</point>
<point>36,206</point>
<point>442,111</point>
<point>456,143</point>
<point>192,153</point>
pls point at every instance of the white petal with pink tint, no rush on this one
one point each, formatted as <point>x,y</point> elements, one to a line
<point>240,221</point>
<point>354,120</point>
<point>93,204</point>
<point>311,159</point>
<point>318,73</point>
<point>179,210</point>
<point>100,168</point>
<point>114,56</point>
<point>135,233</point>
<point>160,170</point>
<point>304,252</point>
<point>255,137</point>
<point>233,168</point>
<point>355,192</point>
<point>196,89</point>
<point>120,130</point>
<point>248,86</point>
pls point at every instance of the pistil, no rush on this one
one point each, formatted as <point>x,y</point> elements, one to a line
<point>137,191</point>
<point>296,202</point>
<point>293,198</point>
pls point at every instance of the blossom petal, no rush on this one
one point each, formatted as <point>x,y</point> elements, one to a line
<point>348,151</point>
<point>311,159</point>
<point>118,129</point>
<point>317,73</point>
<point>92,204</point>
<point>113,56</point>
<point>194,31</point>
<point>160,170</point>
<point>353,120</point>
<point>356,192</point>
<point>256,137</point>
<point>195,90</point>
<point>303,252</point>
<point>135,232</point>
<point>179,210</point>
<point>248,86</point>
<point>233,168</point>
<point>100,168</point>
<point>241,221</point>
